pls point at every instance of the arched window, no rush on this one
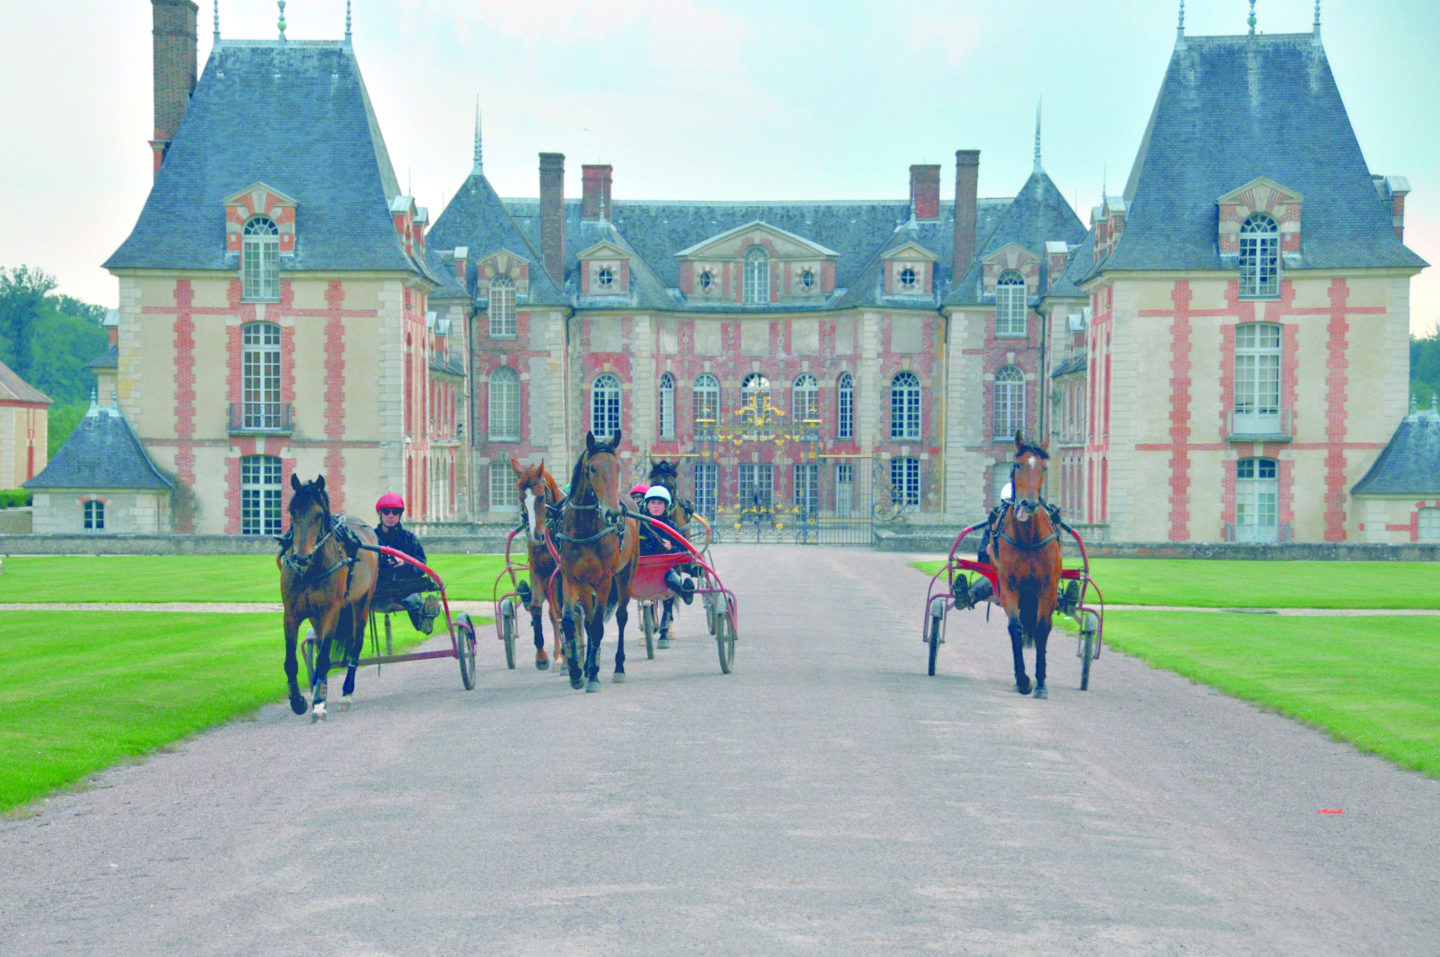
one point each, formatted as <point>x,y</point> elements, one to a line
<point>1010,304</point>
<point>805,401</point>
<point>504,405</point>
<point>1257,494</point>
<point>260,376</point>
<point>705,398</point>
<point>605,406</point>
<point>502,307</point>
<point>757,276</point>
<point>755,398</point>
<point>1259,258</point>
<point>259,495</point>
<point>845,410</point>
<point>905,406</point>
<point>1009,402</point>
<point>667,406</point>
<point>260,259</point>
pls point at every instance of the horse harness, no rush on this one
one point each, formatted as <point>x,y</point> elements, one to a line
<point>349,543</point>
<point>997,525</point>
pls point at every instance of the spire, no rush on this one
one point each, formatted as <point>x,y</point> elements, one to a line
<point>1317,21</point>
<point>479,166</point>
<point>1037,135</point>
<point>281,23</point>
<point>347,21</point>
<point>1180,28</point>
<point>217,21</point>
<point>1251,21</point>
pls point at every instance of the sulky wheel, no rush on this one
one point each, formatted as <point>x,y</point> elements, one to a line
<point>647,620</point>
<point>725,640</point>
<point>465,650</point>
<point>1089,626</point>
<point>507,630</point>
<point>935,631</point>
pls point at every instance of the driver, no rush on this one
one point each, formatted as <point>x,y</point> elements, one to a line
<point>981,589</point>
<point>657,541</point>
<point>400,581</point>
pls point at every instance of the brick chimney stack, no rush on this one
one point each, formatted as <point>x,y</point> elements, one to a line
<point>967,184</point>
<point>176,55</point>
<point>925,192</point>
<point>595,197</point>
<point>552,215</point>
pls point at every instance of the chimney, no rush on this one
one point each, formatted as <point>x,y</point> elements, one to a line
<point>595,197</point>
<point>1393,190</point>
<point>925,192</point>
<point>967,184</point>
<point>175,44</point>
<point>552,215</point>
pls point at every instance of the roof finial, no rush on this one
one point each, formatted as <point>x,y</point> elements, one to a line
<point>1038,101</point>
<point>479,165</point>
<point>1251,21</point>
<point>217,21</point>
<point>347,21</point>
<point>1180,28</point>
<point>1317,21</point>
<point>281,23</point>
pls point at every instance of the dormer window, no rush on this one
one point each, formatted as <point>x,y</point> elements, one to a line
<point>908,279</point>
<point>260,259</point>
<point>807,280</point>
<point>1010,304</point>
<point>707,279</point>
<point>1259,258</point>
<point>605,278</point>
<point>757,276</point>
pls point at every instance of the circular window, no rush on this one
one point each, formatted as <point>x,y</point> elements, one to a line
<point>707,279</point>
<point>907,277</point>
<point>605,277</point>
<point>807,280</point>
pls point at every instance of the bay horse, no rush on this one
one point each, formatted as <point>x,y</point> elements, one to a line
<point>327,578</point>
<point>1026,554</point>
<point>596,547</point>
<point>666,474</point>
<point>538,494</point>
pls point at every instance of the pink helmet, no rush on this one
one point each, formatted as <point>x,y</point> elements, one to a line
<point>640,489</point>
<point>390,500</point>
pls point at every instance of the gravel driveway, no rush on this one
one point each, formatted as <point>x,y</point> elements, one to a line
<point>826,798</point>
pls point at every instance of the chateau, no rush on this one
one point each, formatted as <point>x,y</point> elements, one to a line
<point>1216,353</point>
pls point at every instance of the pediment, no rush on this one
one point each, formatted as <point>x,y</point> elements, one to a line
<point>1260,194</point>
<point>603,250</point>
<point>503,261</point>
<point>253,197</point>
<point>911,251</point>
<point>734,243</point>
<point>1011,256</point>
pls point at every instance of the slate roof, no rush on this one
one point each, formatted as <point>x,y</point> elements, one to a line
<point>263,111</point>
<point>102,453</point>
<point>16,389</point>
<point>1232,109</point>
<point>1410,462</point>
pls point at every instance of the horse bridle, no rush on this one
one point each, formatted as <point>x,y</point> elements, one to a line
<point>1025,546</point>
<point>614,522</point>
<point>304,567</point>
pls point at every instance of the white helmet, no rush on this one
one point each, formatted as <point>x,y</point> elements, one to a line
<point>660,492</point>
<point>1008,491</point>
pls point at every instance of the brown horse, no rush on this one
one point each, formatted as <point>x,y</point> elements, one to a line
<point>538,494</point>
<point>596,547</point>
<point>328,579</point>
<point>666,474</point>
<point>1026,551</point>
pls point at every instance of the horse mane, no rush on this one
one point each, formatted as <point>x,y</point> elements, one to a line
<point>550,486</point>
<point>1033,450</point>
<point>661,470</point>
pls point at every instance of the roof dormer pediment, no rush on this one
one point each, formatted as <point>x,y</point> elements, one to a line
<point>911,251</point>
<point>1260,195</point>
<point>734,243</point>
<point>602,250</point>
<point>1011,256</point>
<point>259,198</point>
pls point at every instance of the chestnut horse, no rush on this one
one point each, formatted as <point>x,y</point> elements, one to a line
<point>1026,552</point>
<point>596,547</point>
<point>327,578</point>
<point>667,475</point>
<point>538,494</point>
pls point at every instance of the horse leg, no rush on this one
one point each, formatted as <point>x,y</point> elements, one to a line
<point>1042,636</point>
<point>292,665</point>
<point>354,641</point>
<point>542,662</point>
<point>665,619</point>
<point>1017,647</point>
<point>322,674</point>
<point>622,615</point>
<point>570,624</point>
<point>594,633</point>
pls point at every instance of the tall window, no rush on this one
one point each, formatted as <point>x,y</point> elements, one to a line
<point>1259,258</point>
<point>757,276</point>
<point>605,406</point>
<point>1257,379</point>
<point>1427,524</point>
<point>845,412</point>
<point>260,259</point>
<point>94,516</point>
<point>1257,492</point>
<point>755,396</point>
<point>1009,402</point>
<point>804,401</point>
<point>502,307</point>
<point>504,405</point>
<point>667,406</point>
<point>1010,304</point>
<point>905,480</point>
<point>756,486</point>
<point>807,489</point>
<point>503,497</point>
<point>259,495</point>
<point>844,489</point>
<point>260,375</point>
<point>707,482</point>
<point>905,406</point>
<point>705,397</point>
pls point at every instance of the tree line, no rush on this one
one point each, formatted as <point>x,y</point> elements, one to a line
<point>1425,368</point>
<point>48,340</point>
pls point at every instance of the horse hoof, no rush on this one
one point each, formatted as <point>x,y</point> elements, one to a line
<point>1023,688</point>
<point>592,686</point>
<point>577,683</point>
<point>542,664</point>
<point>346,702</point>
<point>618,678</point>
<point>318,714</point>
<point>663,643</point>
<point>297,704</point>
<point>1041,693</point>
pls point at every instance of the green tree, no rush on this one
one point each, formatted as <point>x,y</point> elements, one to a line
<point>1425,367</point>
<point>22,297</point>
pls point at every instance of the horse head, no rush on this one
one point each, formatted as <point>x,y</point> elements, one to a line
<point>1027,476</point>
<point>310,521</point>
<point>537,488</point>
<point>596,479</point>
<point>665,474</point>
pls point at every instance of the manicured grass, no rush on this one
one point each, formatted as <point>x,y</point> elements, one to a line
<point>1368,680</point>
<point>1198,583</point>
<point>204,578</point>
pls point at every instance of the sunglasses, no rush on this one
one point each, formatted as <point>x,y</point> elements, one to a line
<point>392,511</point>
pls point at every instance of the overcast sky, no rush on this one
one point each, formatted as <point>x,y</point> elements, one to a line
<point>696,99</point>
